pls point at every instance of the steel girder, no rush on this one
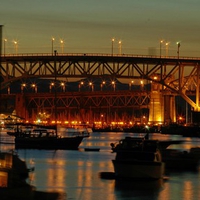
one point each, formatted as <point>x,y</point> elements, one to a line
<point>176,75</point>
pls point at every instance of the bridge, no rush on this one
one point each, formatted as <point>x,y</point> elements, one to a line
<point>168,76</point>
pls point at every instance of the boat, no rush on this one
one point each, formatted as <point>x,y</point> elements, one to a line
<point>13,180</point>
<point>92,149</point>
<point>190,130</point>
<point>176,159</point>
<point>137,158</point>
<point>40,138</point>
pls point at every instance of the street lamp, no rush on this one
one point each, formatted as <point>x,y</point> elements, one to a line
<point>102,84</point>
<point>80,84</point>
<point>91,85</point>
<point>4,44</point>
<point>178,51</point>
<point>167,48</point>
<point>23,85</point>
<point>52,43</point>
<point>120,47</point>
<point>50,86</point>
<point>63,86</point>
<point>113,83</point>
<point>130,85</point>
<point>62,45</point>
<point>34,86</point>
<point>161,41</point>
<point>112,47</point>
<point>16,46</point>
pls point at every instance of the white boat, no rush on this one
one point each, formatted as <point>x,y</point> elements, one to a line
<point>137,158</point>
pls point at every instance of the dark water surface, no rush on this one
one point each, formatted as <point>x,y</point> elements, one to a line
<point>76,173</point>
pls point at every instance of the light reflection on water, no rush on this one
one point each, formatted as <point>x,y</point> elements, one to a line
<point>76,173</point>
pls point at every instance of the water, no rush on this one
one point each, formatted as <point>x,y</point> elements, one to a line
<point>77,173</point>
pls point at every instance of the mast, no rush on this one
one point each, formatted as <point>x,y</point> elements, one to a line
<point>55,92</point>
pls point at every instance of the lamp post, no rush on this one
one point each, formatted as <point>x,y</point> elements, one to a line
<point>63,86</point>
<point>130,85</point>
<point>4,45</point>
<point>91,85</point>
<point>113,83</point>
<point>178,50</point>
<point>23,85</point>
<point>112,46</point>
<point>62,45</point>
<point>50,86</point>
<point>34,86</point>
<point>80,84</point>
<point>16,47</point>
<point>161,41</point>
<point>52,43</point>
<point>120,47</point>
<point>167,48</point>
<point>102,84</point>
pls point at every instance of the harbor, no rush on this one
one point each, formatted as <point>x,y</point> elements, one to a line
<point>76,173</point>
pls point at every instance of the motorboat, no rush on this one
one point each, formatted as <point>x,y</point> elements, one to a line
<point>138,158</point>
<point>41,138</point>
<point>176,159</point>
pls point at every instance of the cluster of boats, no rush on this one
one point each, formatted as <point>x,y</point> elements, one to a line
<point>14,172</point>
<point>136,157</point>
<point>142,158</point>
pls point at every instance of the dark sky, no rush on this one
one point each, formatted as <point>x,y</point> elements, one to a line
<point>87,26</point>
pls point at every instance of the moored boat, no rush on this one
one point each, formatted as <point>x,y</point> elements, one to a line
<point>137,158</point>
<point>41,138</point>
<point>176,159</point>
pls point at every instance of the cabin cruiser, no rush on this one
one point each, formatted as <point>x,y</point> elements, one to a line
<point>138,158</point>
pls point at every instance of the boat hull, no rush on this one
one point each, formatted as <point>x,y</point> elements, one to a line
<point>71,143</point>
<point>138,169</point>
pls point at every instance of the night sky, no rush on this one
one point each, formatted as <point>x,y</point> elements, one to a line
<point>87,26</point>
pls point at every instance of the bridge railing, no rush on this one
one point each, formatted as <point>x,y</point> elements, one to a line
<point>98,55</point>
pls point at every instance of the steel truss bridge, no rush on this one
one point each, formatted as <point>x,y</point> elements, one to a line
<point>174,75</point>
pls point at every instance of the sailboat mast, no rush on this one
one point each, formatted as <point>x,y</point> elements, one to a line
<point>55,91</point>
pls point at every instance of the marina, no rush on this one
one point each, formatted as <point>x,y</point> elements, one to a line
<point>77,172</point>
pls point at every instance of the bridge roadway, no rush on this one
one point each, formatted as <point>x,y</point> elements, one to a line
<point>175,75</point>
